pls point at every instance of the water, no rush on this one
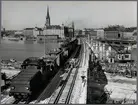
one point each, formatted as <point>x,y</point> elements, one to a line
<point>20,50</point>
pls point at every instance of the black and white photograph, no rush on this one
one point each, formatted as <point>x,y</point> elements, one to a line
<point>68,52</point>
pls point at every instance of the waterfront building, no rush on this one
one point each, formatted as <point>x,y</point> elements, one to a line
<point>113,35</point>
<point>18,32</point>
<point>128,35</point>
<point>32,32</point>
<point>38,31</point>
<point>28,32</point>
<point>54,30</point>
<point>94,33</point>
<point>99,33</point>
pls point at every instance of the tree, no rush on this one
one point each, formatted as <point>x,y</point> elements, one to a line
<point>115,28</point>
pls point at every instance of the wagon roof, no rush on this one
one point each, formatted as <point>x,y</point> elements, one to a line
<point>25,75</point>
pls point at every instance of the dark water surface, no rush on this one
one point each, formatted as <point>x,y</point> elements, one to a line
<point>20,50</point>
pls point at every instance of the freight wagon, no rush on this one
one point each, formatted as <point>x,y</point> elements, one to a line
<point>34,76</point>
<point>37,72</point>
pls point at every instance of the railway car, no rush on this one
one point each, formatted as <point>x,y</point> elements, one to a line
<point>35,75</point>
<point>68,48</point>
<point>72,46</point>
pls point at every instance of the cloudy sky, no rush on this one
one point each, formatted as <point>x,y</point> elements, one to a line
<point>90,14</point>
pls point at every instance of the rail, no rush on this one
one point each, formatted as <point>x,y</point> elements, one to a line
<point>66,95</point>
<point>42,96</point>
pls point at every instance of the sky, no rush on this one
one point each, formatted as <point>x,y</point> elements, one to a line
<point>17,15</point>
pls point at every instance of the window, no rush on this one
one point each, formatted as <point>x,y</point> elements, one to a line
<point>117,43</point>
<point>122,57</point>
<point>126,56</point>
<point>111,60</point>
<point>119,55</point>
<point>118,35</point>
<point>40,38</point>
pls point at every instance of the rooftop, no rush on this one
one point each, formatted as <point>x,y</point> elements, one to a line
<point>54,27</point>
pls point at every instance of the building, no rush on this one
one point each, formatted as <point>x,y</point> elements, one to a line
<point>53,30</point>
<point>19,32</point>
<point>32,32</point>
<point>47,18</point>
<point>100,33</point>
<point>113,35</point>
<point>94,33</point>
<point>135,34</point>
<point>28,32</point>
<point>128,35</point>
<point>38,31</point>
<point>68,32</point>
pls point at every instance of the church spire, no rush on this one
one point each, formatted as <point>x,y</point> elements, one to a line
<point>48,17</point>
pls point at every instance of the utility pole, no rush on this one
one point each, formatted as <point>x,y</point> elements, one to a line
<point>131,59</point>
<point>0,37</point>
<point>45,43</point>
<point>73,28</point>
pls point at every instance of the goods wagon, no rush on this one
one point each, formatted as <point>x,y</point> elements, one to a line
<point>35,75</point>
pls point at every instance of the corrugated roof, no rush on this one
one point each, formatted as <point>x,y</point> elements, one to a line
<point>25,75</point>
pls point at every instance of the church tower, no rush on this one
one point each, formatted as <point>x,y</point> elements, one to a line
<point>47,18</point>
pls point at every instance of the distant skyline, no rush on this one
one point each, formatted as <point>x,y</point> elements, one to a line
<point>17,15</point>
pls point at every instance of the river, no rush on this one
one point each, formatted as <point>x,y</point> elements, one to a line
<point>20,50</point>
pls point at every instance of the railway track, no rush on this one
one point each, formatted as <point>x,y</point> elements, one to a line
<point>22,101</point>
<point>16,101</point>
<point>65,92</point>
<point>56,80</point>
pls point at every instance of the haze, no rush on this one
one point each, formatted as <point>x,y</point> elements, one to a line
<point>17,15</point>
